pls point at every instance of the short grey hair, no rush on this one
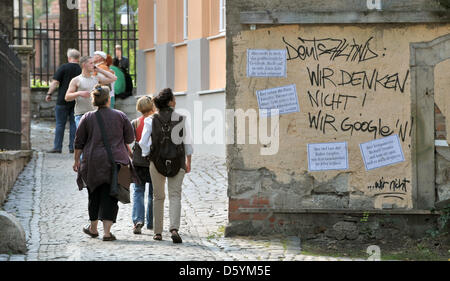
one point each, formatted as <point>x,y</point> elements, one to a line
<point>73,53</point>
<point>84,59</point>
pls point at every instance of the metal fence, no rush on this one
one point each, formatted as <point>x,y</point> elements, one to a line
<point>100,28</point>
<point>10,95</point>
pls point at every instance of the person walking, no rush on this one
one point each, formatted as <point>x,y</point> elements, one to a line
<point>158,140</point>
<point>95,171</point>
<point>64,110</point>
<point>81,86</point>
<point>146,107</point>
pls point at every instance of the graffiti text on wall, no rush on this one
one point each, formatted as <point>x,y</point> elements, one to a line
<point>330,85</point>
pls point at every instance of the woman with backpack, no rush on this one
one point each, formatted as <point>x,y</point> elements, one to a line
<point>146,107</point>
<point>166,140</point>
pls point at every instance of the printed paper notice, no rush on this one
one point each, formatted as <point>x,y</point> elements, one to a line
<point>284,99</point>
<point>327,156</point>
<point>382,152</point>
<point>266,63</point>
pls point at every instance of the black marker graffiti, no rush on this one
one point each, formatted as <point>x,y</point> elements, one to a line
<point>377,128</point>
<point>371,126</point>
<point>320,121</point>
<point>393,185</point>
<point>330,47</point>
<point>333,101</point>
<point>372,80</point>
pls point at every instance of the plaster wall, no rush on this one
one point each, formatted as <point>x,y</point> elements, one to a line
<point>361,96</point>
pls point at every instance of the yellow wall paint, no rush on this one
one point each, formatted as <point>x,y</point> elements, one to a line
<point>214,18</point>
<point>151,68</point>
<point>217,63</point>
<point>198,19</point>
<point>181,68</point>
<point>145,24</point>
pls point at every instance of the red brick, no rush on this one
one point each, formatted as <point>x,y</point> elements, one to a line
<point>260,201</point>
<point>259,216</point>
<point>272,219</point>
<point>440,127</point>
<point>235,204</point>
<point>237,216</point>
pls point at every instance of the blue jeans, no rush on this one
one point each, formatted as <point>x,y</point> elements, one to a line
<point>62,113</point>
<point>77,120</point>
<point>139,205</point>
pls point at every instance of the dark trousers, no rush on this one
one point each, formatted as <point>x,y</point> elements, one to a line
<point>101,205</point>
<point>62,114</point>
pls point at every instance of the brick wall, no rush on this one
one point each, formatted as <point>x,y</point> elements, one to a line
<point>439,122</point>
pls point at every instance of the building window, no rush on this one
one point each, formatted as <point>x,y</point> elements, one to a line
<point>155,29</point>
<point>185,19</point>
<point>223,24</point>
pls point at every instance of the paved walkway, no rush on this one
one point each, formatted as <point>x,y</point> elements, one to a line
<point>47,202</point>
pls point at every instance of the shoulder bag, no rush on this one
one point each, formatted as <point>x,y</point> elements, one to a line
<point>121,174</point>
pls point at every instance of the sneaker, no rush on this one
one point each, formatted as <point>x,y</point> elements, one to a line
<point>54,151</point>
<point>137,228</point>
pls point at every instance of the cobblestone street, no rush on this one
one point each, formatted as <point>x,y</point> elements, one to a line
<point>52,211</point>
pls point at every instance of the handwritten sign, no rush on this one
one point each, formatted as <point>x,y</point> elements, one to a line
<point>266,63</point>
<point>284,99</point>
<point>382,152</point>
<point>327,156</point>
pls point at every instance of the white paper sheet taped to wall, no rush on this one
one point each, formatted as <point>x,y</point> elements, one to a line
<point>382,152</point>
<point>284,99</point>
<point>266,63</point>
<point>327,156</point>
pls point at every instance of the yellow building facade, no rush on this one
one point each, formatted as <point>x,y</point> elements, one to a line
<point>182,46</point>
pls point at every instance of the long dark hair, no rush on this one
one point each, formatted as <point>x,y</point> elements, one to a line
<point>163,99</point>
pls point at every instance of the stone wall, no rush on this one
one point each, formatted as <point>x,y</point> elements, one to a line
<point>11,165</point>
<point>263,189</point>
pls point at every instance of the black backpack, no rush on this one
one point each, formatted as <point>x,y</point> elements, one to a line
<point>167,156</point>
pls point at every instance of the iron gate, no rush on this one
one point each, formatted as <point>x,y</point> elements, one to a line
<point>10,95</point>
<point>101,27</point>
